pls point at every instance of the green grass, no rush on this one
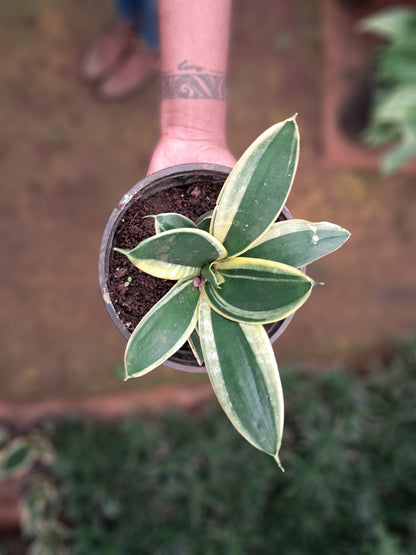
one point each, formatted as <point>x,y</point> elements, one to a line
<point>189,484</point>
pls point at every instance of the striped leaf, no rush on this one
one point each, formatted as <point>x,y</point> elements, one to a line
<point>195,344</point>
<point>245,378</point>
<point>204,221</point>
<point>298,242</point>
<point>163,330</point>
<point>256,189</point>
<point>258,290</point>
<point>170,220</point>
<point>211,274</point>
<point>175,254</point>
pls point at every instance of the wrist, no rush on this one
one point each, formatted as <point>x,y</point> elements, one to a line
<point>193,119</point>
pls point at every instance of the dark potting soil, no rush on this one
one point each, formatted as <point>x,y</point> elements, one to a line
<point>133,292</point>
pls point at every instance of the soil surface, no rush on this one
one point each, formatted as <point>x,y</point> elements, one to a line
<point>134,300</point>
<point>68,158</point>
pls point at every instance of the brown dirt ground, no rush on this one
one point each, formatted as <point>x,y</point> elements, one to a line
<point>68,158</point>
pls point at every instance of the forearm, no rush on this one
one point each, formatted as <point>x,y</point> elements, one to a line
<point>194,49</point>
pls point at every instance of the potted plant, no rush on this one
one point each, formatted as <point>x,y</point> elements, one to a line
<point>127,292</point>
<point>235,271</point>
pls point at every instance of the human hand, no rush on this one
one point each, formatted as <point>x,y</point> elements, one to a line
<point>172,150</point>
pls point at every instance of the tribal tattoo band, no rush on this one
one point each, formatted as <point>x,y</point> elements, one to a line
<point>193,85</point>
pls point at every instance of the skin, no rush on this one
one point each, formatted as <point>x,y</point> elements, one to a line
<point>194,51</point>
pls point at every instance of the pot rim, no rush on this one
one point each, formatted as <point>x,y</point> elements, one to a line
<point>183,175</point>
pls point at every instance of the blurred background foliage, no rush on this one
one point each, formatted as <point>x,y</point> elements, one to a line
<point>392,118</point>
<point>188,483</point>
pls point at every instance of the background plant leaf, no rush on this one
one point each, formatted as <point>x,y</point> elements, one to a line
<point>392,23</point>
<point>16,457</point>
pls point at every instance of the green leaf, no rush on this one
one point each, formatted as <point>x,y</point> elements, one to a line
<point>163,330</point>
<point>258,290</point>
<point>16,458</point>
<point>169,220</point>
<point>398,106</point>
<point>211,274</point>
<point>242,368</point>
<point>298,242</point>
<point>392,23</point>
<point>204,221</point>
<point>396,65</point>
<point>175,254</point>
<point>256,189</point>
<point>400,155</point>
<point>41,508</point>
<point>195,344</point>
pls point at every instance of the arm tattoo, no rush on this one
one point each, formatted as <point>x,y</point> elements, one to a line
<point>193,84</point>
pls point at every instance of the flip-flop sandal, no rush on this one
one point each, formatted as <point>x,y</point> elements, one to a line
<point>138,69</point>
<point>107,53</point>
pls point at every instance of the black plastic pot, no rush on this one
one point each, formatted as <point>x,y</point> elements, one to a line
<point>176,176</point>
